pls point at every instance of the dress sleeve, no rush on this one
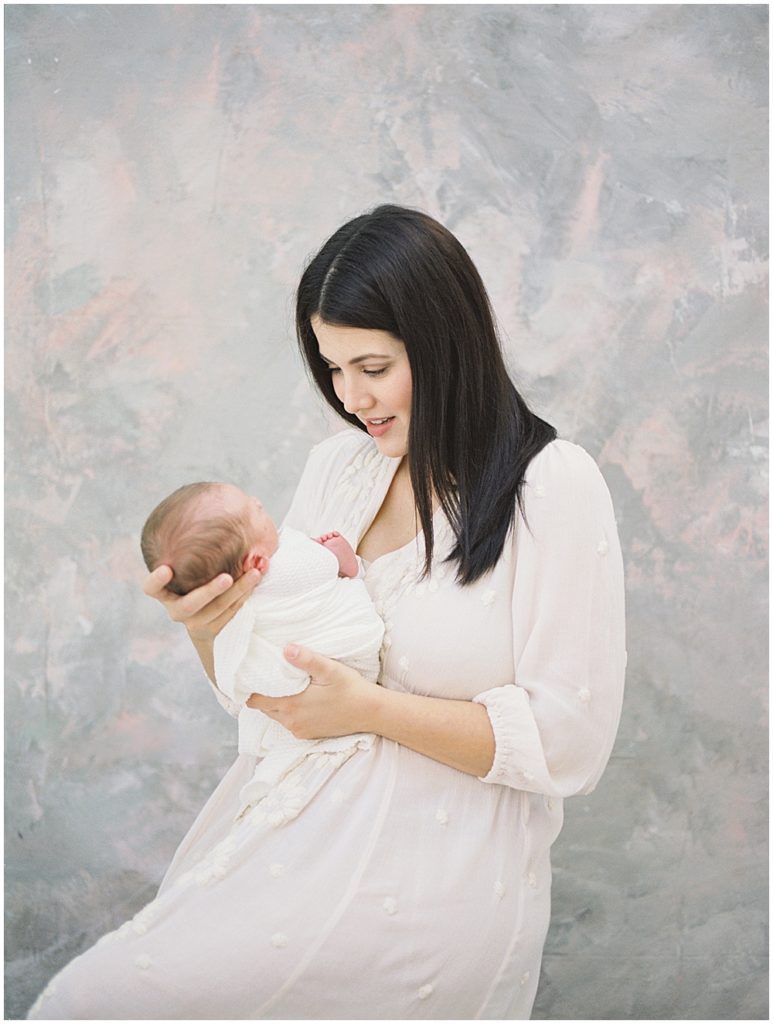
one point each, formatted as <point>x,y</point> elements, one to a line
<point>554,728</point>
<point>225,702</point>
<point>298,515</point>
<point>323,466</point>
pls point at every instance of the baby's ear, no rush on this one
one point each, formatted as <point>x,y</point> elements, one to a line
<point>254,560</point>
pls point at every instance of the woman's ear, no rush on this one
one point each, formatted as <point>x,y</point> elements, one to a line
<point>254,560</point>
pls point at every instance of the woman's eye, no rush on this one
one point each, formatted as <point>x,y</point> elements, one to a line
<point>368,373</point>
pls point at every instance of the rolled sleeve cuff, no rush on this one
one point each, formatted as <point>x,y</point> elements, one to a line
<point>519,761</point>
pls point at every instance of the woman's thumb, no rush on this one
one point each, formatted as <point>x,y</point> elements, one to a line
<point>299,656</point>
<point>315,665</point>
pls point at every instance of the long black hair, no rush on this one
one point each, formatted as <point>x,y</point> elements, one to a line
<point>471,435</point>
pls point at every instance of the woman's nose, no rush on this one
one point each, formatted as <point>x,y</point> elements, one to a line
<point>355,397</point>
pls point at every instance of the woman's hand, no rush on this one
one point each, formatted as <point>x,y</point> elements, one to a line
<point>207,609</point>
<point>337,702</point>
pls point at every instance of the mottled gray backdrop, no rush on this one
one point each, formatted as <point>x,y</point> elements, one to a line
<point>169,170</point>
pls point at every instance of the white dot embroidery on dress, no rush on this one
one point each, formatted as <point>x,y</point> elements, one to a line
<point>255,816</point>
<point>142,920</point>
<point>279,940</point>
<point>49,990</point>
<point>499,890</point>
<point>441,816</point>
<point>143,961</point>
<point>215,865</point>
<point>283,804</point>
<point>528,776</point>
<point>426,991</point>
<point>275,870</point>
<point>583,695</point>
<point>390,905</point>
<point>532,880</point>
<point>524,978</point>
<point>489,598</point>
<point>403,664</point>
<point>539,491</point>
<point>603,547</point>
<point>211,871</point>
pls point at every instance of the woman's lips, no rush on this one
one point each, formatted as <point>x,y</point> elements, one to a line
<point>379,426</point>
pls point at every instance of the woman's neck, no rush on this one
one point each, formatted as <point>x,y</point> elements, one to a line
<point>396,522</point>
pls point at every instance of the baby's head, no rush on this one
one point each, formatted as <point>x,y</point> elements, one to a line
<point>204,529</point>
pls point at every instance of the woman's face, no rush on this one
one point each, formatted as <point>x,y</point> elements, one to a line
<point>372,378</point>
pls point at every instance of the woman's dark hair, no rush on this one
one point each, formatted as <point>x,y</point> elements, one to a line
<point>471,435</point>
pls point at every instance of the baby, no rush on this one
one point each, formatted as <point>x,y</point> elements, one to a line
<point>309,595</point>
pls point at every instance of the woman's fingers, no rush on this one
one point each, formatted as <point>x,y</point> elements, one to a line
<point>207,622</point>
<point>236,601</point>
<point>268,705</point>
<point>211,605</point>
<point>335,703</point>
<point>157,580</point>
<point>320,668</point>
<point>205,598</point>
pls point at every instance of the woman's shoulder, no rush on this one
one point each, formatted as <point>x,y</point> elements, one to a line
<point>557,454</point>
<point>338,478</point>
<point>347,443</point>
<point>564,468</point>
<point>346,448</point>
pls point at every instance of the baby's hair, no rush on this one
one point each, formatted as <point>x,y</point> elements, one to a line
<point>197,549</point>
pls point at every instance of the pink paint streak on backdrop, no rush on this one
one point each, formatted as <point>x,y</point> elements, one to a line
<point>585,217</point>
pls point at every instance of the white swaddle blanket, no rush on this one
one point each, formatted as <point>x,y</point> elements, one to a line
<point>302,599</point>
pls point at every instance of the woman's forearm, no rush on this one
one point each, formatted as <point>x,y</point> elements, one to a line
<point>205,650</point>
<point>455,732</point>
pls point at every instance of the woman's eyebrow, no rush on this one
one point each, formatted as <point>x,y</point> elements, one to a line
<point>357,359</point>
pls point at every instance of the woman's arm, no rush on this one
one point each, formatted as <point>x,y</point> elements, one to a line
<point>203,611</point>
<point>455,732</point>
<point>555,727</point>
<point>339,702</point>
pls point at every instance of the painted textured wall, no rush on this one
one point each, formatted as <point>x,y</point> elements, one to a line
<point>169,169</point>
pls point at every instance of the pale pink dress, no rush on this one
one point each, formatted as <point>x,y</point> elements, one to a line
<point>403,888</point>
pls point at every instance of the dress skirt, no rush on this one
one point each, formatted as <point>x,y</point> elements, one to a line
<point>402,889</point>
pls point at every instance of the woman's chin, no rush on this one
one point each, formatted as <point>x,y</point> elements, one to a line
<point>393,448</point>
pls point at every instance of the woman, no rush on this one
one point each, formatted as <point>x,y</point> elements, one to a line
<point>416,883</point>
